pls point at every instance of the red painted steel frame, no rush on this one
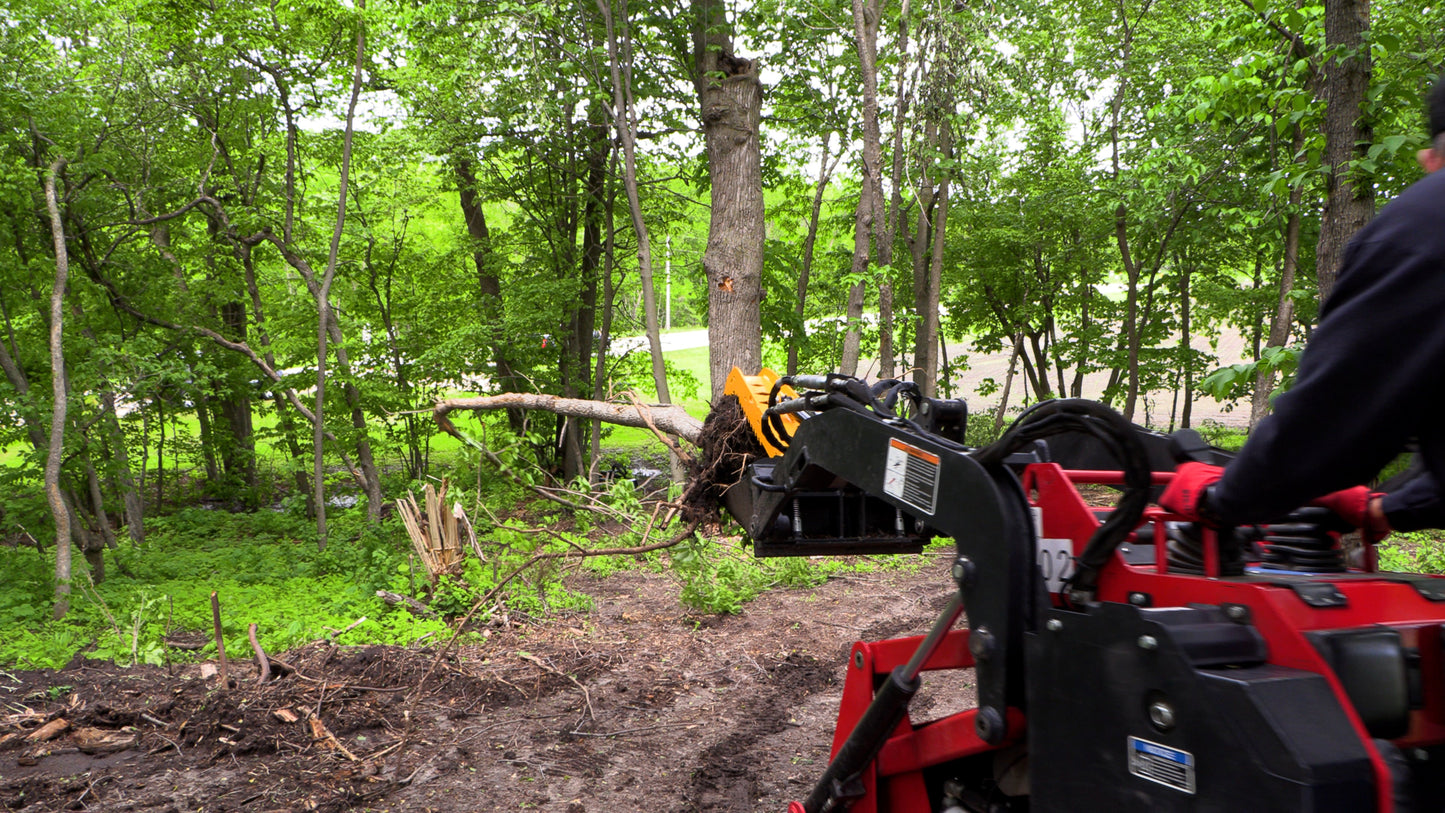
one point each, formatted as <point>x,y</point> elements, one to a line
<point>894,782</point>
<point>1279,614</point>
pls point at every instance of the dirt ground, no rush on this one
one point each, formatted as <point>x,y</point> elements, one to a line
<point>638,705</point>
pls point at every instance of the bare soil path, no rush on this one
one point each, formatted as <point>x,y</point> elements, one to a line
<point>639,705</point>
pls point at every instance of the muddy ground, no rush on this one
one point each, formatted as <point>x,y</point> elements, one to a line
<point>638,705</point>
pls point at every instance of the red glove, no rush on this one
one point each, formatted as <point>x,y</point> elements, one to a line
<point>1186,490</point>
<point>1353,506</point>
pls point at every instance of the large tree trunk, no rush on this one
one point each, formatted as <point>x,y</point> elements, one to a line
<point>58,508</point>
<point>731,103</point>
<point>489,282</point>
<point>1345,84</point>
<point>238,450</point>
<point>599,148</point>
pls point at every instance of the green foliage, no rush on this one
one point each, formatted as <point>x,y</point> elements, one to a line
<point>264,566</point>
<point>1415,552</point>
<point>1237,380</point>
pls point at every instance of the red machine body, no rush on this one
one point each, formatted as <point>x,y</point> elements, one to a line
<point>895,781</point>
<point>1121,659</point>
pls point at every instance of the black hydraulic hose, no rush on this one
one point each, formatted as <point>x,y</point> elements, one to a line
<point>774,429</point>
<point>1121,439</point>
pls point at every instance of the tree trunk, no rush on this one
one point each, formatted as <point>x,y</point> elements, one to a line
<point>826,163</point>
<point>609,249</point>
<point>323,302</point>
<point>238,452</point>
<point>867,220</point>
<point>731,104</point>
<point>887,230</point>
<point>58,509</point>
<point>1186,271</point>
<point>929,365</point>
<point>922,239</point>
<point>1345,84</point>
<point>1279,327</point>
<point>622,115</point>
<point>668,418</point>
<point>585,318</point>
<point>1008,383</point>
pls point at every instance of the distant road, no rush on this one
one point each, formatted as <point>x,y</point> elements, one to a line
<point>676,340</point>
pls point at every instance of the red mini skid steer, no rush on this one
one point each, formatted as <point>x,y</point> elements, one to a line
<point>1124,660</point>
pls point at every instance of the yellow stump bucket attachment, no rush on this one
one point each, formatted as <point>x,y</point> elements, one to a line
<point>752,393</point>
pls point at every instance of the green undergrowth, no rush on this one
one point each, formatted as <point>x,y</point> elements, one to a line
<point>1413,552</point>
<point>266,570</point>
<point>264,567</point>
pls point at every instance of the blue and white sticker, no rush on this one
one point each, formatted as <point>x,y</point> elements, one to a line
<point>1167,766</point>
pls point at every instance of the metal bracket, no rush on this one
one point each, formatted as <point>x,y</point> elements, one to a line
<point>1319,594</point>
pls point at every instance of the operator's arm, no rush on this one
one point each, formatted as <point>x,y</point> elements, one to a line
<point>1369,379</point>
<point>1417,505</point>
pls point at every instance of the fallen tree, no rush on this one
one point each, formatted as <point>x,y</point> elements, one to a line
<point>669,419</point>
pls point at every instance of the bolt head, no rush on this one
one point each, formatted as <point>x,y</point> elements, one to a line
<point>1236,612</point>
<point>1161,714</point>
<point>858,659</point>
<point>981,644</point>
<point>1148,643</point>
<point>1054,625</point>
<point>964,571</point>
<point>1138,599</point>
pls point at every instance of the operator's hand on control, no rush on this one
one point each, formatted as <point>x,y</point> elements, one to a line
<point>1360,507</point>
<point>1185,493</point>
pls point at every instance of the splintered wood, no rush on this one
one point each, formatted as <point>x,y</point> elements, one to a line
<point>437,533</point>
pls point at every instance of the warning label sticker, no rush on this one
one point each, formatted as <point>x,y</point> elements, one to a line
<point>1162,764</point>
<point>911,476</point>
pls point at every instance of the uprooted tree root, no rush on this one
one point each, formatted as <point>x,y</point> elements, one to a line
<point>728,446</point>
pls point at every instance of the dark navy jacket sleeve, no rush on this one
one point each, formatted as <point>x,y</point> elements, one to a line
<point>1369,380</point>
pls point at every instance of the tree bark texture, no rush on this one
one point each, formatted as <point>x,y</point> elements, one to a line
<point>1345,85</point>
<point>731,102</point>
<point>58,508</point>
<point>887,229</point>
